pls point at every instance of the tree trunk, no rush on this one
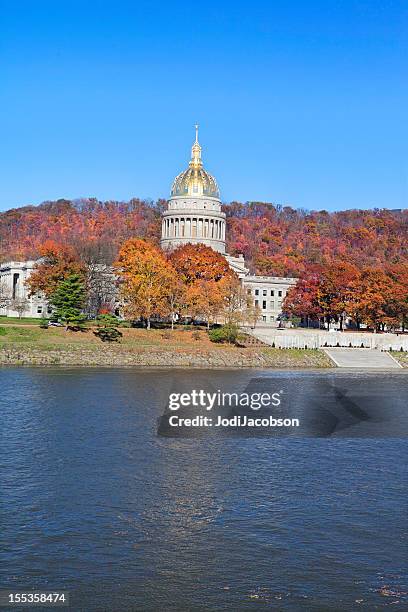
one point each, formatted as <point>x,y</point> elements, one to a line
<point>148,323</point>
<point>172,321</point>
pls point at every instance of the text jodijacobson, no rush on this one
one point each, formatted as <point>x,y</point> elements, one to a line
<point>235,421</point>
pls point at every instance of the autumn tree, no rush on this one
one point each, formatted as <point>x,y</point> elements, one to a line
<point>201,270</point>
<point>204,299</point>
<point>302,299</point>
<point>176,297</point>
<point>328,292</point>
<point>57,263</point>
<point>237,304</point>
<point>337,285</point>
<point>146,278</point>
<point>253,313</point>
<point>198,262</point>
<point>370,298</point>
<point>397,300</point>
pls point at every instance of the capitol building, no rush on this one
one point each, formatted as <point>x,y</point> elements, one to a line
<point>194,215</point>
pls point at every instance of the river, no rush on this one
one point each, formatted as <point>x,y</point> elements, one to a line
<point>95,502</point>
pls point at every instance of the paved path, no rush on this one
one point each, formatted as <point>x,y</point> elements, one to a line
<point>361,358</point>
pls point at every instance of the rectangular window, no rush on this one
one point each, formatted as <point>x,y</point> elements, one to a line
<point>264,318</point>
<point>272,305</point>
<point>279,293</point>
<point>256,302</point>
<point>15,284</point>
<point>264,305</point>
<point>271,319</point>
<point>256,291</point>
<point>39,309</point>
<point>264,292</point>
<point>272,293</point>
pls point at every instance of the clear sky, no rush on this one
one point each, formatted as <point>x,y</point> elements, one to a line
<point>300,103</point>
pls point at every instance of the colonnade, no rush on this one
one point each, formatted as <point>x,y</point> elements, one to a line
<point>193,227</point>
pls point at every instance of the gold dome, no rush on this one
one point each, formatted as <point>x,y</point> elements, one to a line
<point>195,181</point>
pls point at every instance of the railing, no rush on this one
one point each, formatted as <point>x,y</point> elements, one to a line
<point>382,342</point>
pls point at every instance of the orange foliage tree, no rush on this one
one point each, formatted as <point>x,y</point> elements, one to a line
<point>194,262</point>
<point>57,264</point>
<point>336,287</point>
<point>370,298</point>
<point>203,272</point>
<point>146,280</point>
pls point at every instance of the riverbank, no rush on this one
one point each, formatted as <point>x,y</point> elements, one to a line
<point>180,349</point>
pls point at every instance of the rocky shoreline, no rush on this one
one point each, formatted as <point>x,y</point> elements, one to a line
<point>111,356</point>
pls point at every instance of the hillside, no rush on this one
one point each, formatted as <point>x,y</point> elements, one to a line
<point>275,240</point>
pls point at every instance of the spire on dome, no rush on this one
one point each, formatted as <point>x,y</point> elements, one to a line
<point>196,151</point>
<point>195,182</point>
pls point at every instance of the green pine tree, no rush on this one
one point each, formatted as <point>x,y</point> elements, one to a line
<point>69,300</point>
<point>107,328</point>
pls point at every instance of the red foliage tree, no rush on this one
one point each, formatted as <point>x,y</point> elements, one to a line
<point>57,264</point>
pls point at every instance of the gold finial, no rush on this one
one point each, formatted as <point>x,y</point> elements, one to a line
<point>196,151</point>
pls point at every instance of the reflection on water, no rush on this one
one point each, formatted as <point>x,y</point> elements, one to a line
<point>95,502</point>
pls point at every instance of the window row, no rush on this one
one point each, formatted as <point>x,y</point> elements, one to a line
<point>272,305</point>
<point>279,293</point>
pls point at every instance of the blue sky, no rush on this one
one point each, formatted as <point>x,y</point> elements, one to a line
<point>300,103</point>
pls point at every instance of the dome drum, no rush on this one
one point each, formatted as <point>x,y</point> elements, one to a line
<point>193,226</point>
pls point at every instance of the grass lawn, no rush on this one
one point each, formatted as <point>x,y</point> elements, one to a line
<point>133,338</point>
<point>162,347</point>
<point>401,357</point>
<point>17,321</point>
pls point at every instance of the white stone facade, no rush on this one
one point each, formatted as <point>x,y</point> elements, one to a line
<point>193,220</point>
<point>268,292</point>
<point>14,293</point>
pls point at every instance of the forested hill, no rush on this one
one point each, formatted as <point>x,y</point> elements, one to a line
<point>275,240</point>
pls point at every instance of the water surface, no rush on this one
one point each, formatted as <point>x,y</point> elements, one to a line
<point>93,501</point>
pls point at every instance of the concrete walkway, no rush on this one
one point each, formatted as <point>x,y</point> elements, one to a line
<point>361,358</point>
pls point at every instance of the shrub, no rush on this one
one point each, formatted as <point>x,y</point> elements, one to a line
<point>226,333</point>
<point>3,331</point>
<point>126,324</point>
<point>44,323</point>
<point>107,331</point>
<point>108,334</point>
